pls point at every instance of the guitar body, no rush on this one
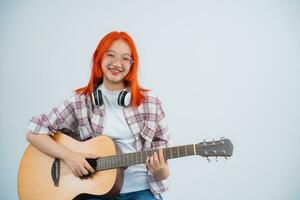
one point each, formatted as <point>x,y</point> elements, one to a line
<point>36,182</point>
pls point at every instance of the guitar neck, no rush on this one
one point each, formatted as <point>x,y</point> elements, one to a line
<point>128,159</point>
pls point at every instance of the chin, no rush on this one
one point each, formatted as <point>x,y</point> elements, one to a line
<point>115,80</point>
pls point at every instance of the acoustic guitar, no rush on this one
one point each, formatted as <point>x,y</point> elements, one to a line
<point>44,177</point>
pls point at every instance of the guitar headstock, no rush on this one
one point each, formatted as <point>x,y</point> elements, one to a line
<point>219,148</point>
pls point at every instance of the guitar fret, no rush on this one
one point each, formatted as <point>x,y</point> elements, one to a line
<point>125,161</point>
<point>142,158</point>
<point>112,161</point>
<point>165,154</point>
<point>136,157</point>
<point>105,162</point>
<point>173,152</point>
<point>119,160</point>
<point>181,151</point>
<point>169,153</point>
<point>108,162</point>
<point>133,158</point>
<point>129,159</point>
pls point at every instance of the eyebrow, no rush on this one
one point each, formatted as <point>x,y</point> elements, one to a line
<point>110,50</point>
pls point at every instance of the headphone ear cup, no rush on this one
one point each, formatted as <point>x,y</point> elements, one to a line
<point>124,98</point>
<point>127,99</point>
<point>98,97</point>
<point>94,97</point>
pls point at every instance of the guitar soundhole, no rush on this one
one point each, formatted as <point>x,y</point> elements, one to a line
<point>55,171</point>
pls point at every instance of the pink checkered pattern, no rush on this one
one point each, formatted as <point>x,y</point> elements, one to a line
<point>84,120</point>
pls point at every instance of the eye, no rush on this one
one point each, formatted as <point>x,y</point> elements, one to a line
<point>126,59</point>
<point>111,55</point>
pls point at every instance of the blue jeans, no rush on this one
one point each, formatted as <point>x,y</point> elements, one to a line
<point>139,195</point>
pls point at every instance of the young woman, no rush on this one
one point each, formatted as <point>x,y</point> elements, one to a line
<point>113,104</point>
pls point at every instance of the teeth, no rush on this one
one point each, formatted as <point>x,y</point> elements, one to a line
<point>115,70</point>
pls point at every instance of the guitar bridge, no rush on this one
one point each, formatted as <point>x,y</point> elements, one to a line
<point>55,171</point>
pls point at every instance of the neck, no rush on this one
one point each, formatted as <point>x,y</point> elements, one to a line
<point>113,86</point>
<point>125,160</point>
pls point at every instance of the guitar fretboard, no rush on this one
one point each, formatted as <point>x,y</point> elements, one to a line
<point>125,160</point>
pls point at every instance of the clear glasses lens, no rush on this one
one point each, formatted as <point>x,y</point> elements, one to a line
<point>125,59</point>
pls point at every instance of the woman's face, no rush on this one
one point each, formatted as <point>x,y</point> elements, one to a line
<point>116,64</point>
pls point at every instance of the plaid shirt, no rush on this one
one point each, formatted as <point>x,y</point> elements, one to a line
<point>85,121</point>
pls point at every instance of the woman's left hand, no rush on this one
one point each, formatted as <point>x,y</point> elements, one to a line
<point>157,165</point>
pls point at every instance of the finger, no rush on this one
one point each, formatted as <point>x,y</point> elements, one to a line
<point>149,164</point>
<point>75,172</point>
<point>151,161</point>
<point>155,160</point>
<point>83,170</point>
<point>78,172</point>
<point>161,157</point>
<point>89,167</point>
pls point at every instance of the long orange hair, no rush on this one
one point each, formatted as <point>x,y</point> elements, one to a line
<point>131,79</point>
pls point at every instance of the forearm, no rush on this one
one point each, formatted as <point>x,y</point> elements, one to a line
<point>47,145</point>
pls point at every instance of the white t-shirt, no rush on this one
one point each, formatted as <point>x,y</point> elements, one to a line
<point>116,127</point>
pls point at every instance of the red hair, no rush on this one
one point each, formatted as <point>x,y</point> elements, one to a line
<point>131,79</point>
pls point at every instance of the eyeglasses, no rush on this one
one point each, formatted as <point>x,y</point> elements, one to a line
<point>111,57</point>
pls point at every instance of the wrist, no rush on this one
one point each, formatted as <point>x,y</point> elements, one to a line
<point>65,153</point>
<point>162,175</point>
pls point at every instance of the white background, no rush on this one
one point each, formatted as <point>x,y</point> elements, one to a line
<point>221,68</point>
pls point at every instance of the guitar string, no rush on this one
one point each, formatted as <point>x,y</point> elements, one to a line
<point>140,157</point>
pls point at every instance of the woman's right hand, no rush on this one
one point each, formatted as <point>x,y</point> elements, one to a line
<point>75,161</point>
<point>78,164</point>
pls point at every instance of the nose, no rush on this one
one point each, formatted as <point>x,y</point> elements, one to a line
<point>117,60</point>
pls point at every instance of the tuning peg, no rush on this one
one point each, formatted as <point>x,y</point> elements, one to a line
<point>213,141</point>
<point>222,140</point>
<point>208,160</point>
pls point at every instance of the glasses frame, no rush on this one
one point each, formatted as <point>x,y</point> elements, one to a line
<point>117,57</point>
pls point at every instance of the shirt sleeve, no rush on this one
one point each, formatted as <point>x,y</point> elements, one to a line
<point>58,118</point>
<point>162,134</point>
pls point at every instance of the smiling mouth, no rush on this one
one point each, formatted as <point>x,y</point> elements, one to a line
<point>115,71</point>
